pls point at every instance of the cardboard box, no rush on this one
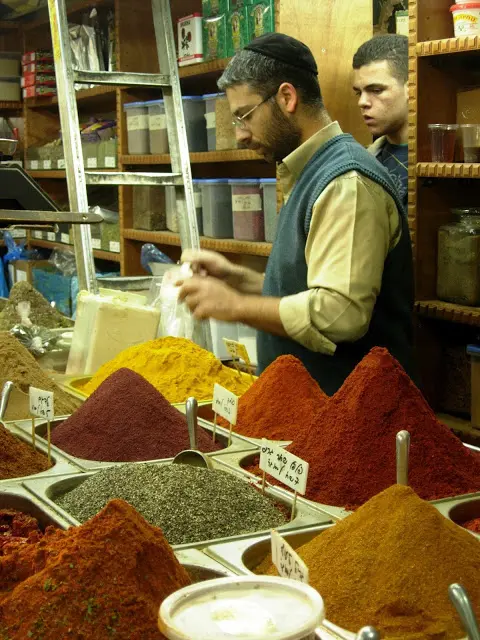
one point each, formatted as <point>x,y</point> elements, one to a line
<point>261,18</point>
<point>237,30</point>
<point>21,270</point>
<point>190,40</point>
<point>215,7</point>
<point>215,37</point>
<point>38,79</point>
<point>38,90</point>
<point>37,56</point>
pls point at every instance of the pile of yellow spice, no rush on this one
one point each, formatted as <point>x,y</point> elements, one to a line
<point>177,367</point>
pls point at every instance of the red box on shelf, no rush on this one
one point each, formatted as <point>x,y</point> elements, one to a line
<point>37,56</point>
<point>39,67</point>
<point>38,91</point>
<point>38,79</point>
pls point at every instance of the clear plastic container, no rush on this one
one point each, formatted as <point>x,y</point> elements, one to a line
<point>157,127</point>
<point>210,118</point>
<point>197,194</point>
<point>471,142</point>
<point>217,208</point>
<point>458,263</point>
<point>270,215</point>
<point>247,607</point>
<point>171,207</point>
<point>149,208</point>
<point>443,138</point>
<point>137,128</point>
<point>247,207</point>
<point>194,113</point>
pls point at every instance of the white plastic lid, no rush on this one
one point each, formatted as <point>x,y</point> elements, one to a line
<point>242,608</point>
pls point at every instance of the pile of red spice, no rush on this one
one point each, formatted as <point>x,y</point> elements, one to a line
<point>17,458</point>
<point>350,443</point>
<point>280,403</point>
<point>472,525</point>
<point>15,529</point>
<point>106,578</point>
<point>127,420</point>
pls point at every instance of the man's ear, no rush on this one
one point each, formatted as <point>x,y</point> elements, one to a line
<point>288,97</point>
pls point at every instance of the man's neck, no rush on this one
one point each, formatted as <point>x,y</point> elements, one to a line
<point>311,126</point>
<point>400,136</point>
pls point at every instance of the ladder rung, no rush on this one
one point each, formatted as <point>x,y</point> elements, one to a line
<point>133,178</point>
<point>122,79</point>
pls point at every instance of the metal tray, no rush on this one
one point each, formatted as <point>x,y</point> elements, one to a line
<point>200,566</point>
<point>239,443</point>
<point>48,489</point>
<point>21,500</point>
<point>461,510</point>
<point>61,464</point>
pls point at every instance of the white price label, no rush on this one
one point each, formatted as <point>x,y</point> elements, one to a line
<point>115,247</point>
<point>237,350</point>
<point>225,403</point>
<point>91,163</point>
<point>211,119</point>
<point>284,466</point>
<point>137,123</point>
<point>110,162</point>
<point>247,202</point>
<point>96,243</point>
<point>37,235</point>
<point>61,163</point>
<point>51,236</point>
<point>41,403</point>
<point>47,165</point>
<point>157,122</point>
<point>65,238</point>
<point>287,560</point>
<point>33,165</point>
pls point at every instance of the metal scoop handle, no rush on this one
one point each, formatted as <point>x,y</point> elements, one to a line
<point>368,633</point>
<point>191,409</point>
<point>403,454</point>
<point>7,388</point>
<point>460,600</point>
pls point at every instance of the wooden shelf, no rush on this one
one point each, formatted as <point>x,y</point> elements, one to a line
<point>448,170</point>
<point>448,45</point>
<point>51,175</point>
<point>225,246</point>
<point>8,25</point>
<point>97,253</point>
<point>203,68</point>
<point>204,157</point>
<point>93,96</point>
<point>438,310</point>
<point>10,105</point>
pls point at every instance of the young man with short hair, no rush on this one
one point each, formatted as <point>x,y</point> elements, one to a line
<point>381,85</point>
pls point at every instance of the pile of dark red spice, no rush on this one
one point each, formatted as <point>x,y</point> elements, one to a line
<point>127,420</point>
<point>15,529</point>
<point>350,441</point>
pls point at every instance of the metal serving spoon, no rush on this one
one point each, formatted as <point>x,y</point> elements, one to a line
<point>192,456</point>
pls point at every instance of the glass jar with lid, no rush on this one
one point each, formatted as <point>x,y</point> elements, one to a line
<point>458,262</point>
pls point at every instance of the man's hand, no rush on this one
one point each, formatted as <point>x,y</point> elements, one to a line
<point>208,297</point>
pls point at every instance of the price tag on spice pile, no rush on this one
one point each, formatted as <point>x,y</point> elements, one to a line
<point>225,404</point>
<point>287,560</point>
<point>238,351</point>
<point>284,466</point>
<point>41,403</point>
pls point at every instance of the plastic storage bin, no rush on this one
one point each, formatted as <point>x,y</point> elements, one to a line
<point>194,113</point>
<point>270,215</point>
<point>210,118</point>
<point>149,209</point>
<point>247,208</point>
<point>157,126</point>
<point>197,194</point>
<point>171,207</point>
<point>217,208</point>
<point>137,128</point>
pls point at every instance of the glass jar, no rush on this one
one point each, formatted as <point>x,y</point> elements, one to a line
<point>458,262</point>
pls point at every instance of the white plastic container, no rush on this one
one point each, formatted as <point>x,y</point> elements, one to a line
<point>194,113</point>
<point>217,208</point>
<point>190,39</point>
<point>466,19</point>
<point>270,215</point>
<point>137,128</point>
<point>171,209</point>
<point>247,208</point>
<point>210,118</point>
<point>157,126</point>
<point>251,608</point>
<point>197,195</point>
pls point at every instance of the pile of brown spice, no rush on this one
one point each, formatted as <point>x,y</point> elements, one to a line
<point>104,579</point>
<point>40,312</point>
<point>18,365</point>
<point>17,458</point>
<point>390,565</point>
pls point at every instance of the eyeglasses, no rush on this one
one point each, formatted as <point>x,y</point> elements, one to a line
<point>240,121</point>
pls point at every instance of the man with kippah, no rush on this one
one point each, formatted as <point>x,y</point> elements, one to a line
<point>339,279</point>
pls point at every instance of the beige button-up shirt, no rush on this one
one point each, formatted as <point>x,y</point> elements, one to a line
<point>355,223</point>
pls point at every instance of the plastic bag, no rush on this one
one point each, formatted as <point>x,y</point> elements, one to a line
<point>37,340</point>
<point>150,253</point>
<point>64,261</point>
<point>175,317</point>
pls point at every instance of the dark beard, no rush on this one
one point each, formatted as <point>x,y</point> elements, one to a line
<point>282,137</point>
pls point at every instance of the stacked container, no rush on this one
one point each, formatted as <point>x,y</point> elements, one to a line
<point>217,208</point>
<point>157,126</point>
<point>194,112</point>
<point>137,128</point>
<point>247,208</point>
<point>270,216</point>
<point>210,118</point>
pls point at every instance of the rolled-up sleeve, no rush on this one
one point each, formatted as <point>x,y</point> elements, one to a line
<point>354,225</point>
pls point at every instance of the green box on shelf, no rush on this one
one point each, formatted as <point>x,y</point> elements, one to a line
<point>261,18</point>
<point>215,37</point>
<point>215,7</point>
<point>237,30</point>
